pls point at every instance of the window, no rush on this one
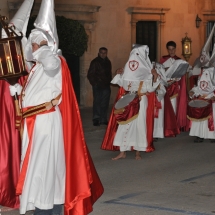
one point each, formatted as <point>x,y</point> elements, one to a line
<point>146,34</point>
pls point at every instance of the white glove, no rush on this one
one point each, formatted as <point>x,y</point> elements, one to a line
<point>17,88</point>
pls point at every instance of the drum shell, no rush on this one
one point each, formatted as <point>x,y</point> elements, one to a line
<point>128,112</point>
<point>200,112</point>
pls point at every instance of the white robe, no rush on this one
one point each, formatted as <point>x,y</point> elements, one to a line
<point>158,131</point>
<point>134,133</point>
<point>45,178</point>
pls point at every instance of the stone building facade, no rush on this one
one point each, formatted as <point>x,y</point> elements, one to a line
<point>112,23</point>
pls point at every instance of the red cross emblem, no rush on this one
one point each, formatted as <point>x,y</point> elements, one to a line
<point>203,84</point>
<point>133,65</point>
<point>202,58</point>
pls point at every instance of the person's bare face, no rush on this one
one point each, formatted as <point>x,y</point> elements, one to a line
<point>103,54</point>
<point>171,50</point>
<point>35,46</point>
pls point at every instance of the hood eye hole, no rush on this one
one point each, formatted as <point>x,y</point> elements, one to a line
<point>137,53</point>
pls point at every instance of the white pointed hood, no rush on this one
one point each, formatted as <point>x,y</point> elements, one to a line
<point>138,66</point>
<point>47,24</point>
<point>205,55</point>
<point>20,19</point>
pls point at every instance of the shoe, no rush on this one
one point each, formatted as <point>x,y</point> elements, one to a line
<point>96,123</point>
<point>155,139</point>
<point>198,140</point>
<point>212,140</point>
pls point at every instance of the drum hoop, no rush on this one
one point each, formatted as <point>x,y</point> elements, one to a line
<point>123,97</point>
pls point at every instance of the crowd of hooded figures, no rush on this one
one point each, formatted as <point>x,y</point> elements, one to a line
<point>154,101</point>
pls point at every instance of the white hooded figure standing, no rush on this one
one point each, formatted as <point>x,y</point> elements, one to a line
<point>137,69</point>
<point>205,90</point>
<point>44,185</point>
<point>44,182</point>
<point>49,148</point>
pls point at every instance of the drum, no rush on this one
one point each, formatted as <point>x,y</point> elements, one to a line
<point>199,109</point>
<point>127,108</point>
<point>125,100</point>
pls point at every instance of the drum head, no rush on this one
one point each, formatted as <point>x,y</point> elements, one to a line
<point>198,103</point>
<point>125,100</point>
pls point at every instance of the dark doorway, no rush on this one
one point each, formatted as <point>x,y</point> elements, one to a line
<point>146,34</point>
<point>74,66</point>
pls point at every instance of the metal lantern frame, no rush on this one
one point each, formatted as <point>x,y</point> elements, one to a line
<point>12,65</point>
<point>186,47</point>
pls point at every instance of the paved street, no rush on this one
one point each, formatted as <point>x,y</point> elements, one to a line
<point>177,178</point>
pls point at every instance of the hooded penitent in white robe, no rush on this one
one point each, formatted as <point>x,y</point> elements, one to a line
<point>205,87</point>
<point>138,68</point>
<point>45,177</point>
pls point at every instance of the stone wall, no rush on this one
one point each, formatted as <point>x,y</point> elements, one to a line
<point>112,24</point>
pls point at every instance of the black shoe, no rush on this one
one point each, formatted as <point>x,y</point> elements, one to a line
<point>198,140</point>
<point>96,123</point>
<point>212,140</point>
<point>155,139</point>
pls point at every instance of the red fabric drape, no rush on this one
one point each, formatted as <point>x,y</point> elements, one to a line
<point>158,106</point>
<point>10,146</point>
<point>131,110</point>
<point>182,101</point>
<point>83,186</point>
<point>173,89</point>
<point>150,121</point>
<point>170,123</point>
<point>107,143</point>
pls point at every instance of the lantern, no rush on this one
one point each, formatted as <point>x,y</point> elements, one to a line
<point>186,47</point>
<point>198,21</point>
<point>12,65</point>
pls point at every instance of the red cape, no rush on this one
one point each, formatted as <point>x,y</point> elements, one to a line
<point>107,143</point>
<point>182,99</point>
<point>10,147</point>
<point>83,186</point>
